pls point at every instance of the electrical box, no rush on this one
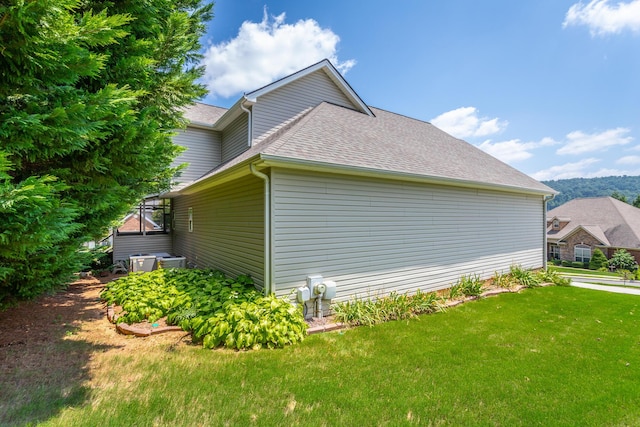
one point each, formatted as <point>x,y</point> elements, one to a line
<point>314,280</point>
<point>303,294</point>
<point>330,289</point>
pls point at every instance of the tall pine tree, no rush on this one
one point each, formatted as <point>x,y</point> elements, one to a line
<point>90,93</point>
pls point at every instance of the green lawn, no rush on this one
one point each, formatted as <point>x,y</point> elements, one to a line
<point>583,271</point>
<point>547,356</point>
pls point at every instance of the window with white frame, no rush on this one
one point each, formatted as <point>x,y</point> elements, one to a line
<point>582,253</point>
<point>554,252</point>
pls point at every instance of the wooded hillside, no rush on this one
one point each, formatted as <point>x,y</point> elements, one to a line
<point>628,186</point>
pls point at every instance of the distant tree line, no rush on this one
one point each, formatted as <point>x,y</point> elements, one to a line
<point>624,188</point>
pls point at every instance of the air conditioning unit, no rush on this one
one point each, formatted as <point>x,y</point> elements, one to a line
<point>172,262</point>
<point>142,263</point>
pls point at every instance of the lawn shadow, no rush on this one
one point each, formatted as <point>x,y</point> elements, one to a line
<point>45,349</point>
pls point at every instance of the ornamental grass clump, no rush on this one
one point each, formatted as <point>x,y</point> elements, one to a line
<point>524,277</point>
<point>550,276</point>
<point>217,310</point>
<point>471,286</point>
<point>369,312</point>
<point>502,280</point>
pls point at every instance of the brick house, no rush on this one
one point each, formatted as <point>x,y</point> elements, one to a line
<point>579,226</point>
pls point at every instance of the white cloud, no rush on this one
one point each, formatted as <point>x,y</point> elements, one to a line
<point>514,150</point>
<point>568,170</point>
<point>629,160</point>
<point>266,51</point>
<point>579,142</point>
<point>581,170</point>
<point>464,123</point>
<point>603,18</point>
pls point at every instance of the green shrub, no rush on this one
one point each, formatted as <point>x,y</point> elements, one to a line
<point>623,260</point>
<point>598,260</point>
<point>217,310</point>
<point>577,264</point>
<point>566,263</point>
<point>557,262</point>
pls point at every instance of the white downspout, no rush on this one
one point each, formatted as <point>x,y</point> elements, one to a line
<point>544,228</point>
<point>249,123</point>
<point>267,228</point>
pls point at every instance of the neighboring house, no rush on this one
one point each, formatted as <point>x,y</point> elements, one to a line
<point>301,177</point>
<point>577,227</point>
<point>133,224</point>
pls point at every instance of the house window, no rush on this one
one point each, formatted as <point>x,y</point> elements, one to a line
<point>149,217</point>
<point>556,224</point>
<point>582,253</point>
<point>554,252</point>
<point>190,220</point>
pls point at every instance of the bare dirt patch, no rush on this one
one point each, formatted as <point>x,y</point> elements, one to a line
<point>48,348</point>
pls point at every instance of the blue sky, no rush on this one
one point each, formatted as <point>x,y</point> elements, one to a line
<point>551,87</point>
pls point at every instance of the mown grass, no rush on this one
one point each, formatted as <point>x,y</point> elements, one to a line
<point>545,356</point>
<point>583,271</point>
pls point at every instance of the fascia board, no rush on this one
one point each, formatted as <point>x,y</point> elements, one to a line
<point>230,115</point>
<point>234,172</point>
<point>307,165</point>
<point>580,227</point>
<point>329,69</point>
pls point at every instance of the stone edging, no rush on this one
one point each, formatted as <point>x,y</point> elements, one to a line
<point>125,329</point>
<point>325,328</point>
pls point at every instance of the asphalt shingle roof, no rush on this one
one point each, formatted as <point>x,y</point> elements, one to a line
<point>333,135</point>
<point>203,113</point>
<point>619,221</point>
<point>395,143</point>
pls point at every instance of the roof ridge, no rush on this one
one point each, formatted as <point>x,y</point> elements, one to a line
<point>617,206</point>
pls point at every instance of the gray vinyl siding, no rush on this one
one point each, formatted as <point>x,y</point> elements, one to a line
<point>125,245</point>
<point>275,109</point>
<point>228,224</point>
<point>235,138</point>
<point>203,152</point>
<point>375,236</point>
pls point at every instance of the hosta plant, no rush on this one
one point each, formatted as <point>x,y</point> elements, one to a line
<point>217,310</point>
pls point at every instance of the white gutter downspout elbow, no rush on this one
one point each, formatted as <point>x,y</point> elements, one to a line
<point>544,228</point>
<point>267,229</point>
<point>249,121</point>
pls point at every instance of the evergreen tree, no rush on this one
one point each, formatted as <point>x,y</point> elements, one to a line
<point>636,202</point>
<point>598,260</point>
<point>90,93</point>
